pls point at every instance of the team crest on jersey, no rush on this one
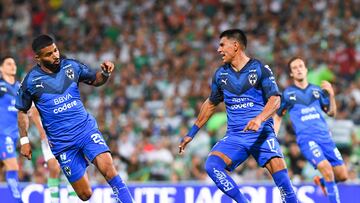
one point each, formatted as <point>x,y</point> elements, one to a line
<point>316,94</point>
<point>252,78</point>
<point>70,73</point>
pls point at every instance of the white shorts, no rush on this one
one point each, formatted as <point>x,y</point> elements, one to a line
<point>46,150</point>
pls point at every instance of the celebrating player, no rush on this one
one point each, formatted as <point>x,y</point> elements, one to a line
<point>305,103</point>
<point>251,96</point>
<point>72,133</point>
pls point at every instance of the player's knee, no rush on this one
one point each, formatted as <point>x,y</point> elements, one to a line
<point>342,177</point>
<point>85,195</point>
<point>328,174</point>
<point>214,162</point>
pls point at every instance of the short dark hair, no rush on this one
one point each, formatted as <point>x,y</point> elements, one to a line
<point>2,60</point>
<point>292,60</point>
<point>40,42</point>
<point>236,34</point>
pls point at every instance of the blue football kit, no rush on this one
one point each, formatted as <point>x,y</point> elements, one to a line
<point>72,132</point>
<point>245,94</point>
<point>8,126</point>
<point>306,108</point>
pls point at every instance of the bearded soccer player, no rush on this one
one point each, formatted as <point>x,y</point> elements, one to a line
<point>305,103</point>
<point>251,96</point>
<point>72,132</point>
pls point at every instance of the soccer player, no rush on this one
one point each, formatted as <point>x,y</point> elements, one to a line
<point>72,132</point>
<point>8,124</point>
<point>53,181</point>
<point>251,96</point>
<point>305,103</point>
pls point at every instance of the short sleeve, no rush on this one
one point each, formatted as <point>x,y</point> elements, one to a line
<point>324,100</point>
<point>23,98</point>
<point>283,107</point>
<point>86,75</point>
<point>268,82</point>
<point>216,95</point>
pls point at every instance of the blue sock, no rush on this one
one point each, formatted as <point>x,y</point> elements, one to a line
<point>12,181</point>
<point>282,181</point>
<point>215,167</point>
<point>122,193</point>
<point>332,191</point>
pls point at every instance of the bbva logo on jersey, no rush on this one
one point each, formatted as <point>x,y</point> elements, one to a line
<point>70,73</point>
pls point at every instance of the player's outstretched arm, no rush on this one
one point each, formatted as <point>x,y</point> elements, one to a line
<point>35,118</point>
<point>23,123</point>
<point>270,108</point>
<point>107,67</point>
<point>325,85</point>
<point>206,111</point>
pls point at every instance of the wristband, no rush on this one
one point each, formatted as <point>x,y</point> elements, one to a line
<point>106,74</point>
<point>24,140</point>
<point>194,129</point>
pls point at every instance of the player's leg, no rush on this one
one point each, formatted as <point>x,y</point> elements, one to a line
<point>341,173</point>
<point>53,180</point>
<point>219,161</point>
<point>12,179</point>
<point>314,153</point>
<point>73,163</point>
<point>105,165</point>
<point>8,156</point>
<point>97,152</point>
<point>266,151</point>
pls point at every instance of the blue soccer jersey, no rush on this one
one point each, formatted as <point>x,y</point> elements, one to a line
<point>305,107</point>
<point>57,98</point>
<point>244,93</point>
<point>8,123</point>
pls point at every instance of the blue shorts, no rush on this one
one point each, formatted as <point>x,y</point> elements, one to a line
<point>316,151</point>
<point>7,147</point>
<point>74,160</point>
<point>262,147</point>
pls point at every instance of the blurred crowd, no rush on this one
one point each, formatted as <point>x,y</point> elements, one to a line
<point>165,55</point>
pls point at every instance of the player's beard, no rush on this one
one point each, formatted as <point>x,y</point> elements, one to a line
<point>51,66</point>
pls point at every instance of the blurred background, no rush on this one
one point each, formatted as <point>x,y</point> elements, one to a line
<point>165,55</point>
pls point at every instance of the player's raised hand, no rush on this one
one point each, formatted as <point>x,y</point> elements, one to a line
<point>25,150</point>
<point>183,144</point>
<point>107,66</point>
<point>325,85</point>
<point>253,125</point>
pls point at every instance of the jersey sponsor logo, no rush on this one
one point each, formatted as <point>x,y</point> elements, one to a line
<point>246,103</point>
<point>67,66</point>
<point>221,73</point>
<point>62,99</point>
<point>316,93</point>
<point>70,73</point>
<point>227,185</point>
<point>311,114</point>
<point>224,81</point>
<point>65,107</point>
<point>252,77</point>
<point>12,107</point>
